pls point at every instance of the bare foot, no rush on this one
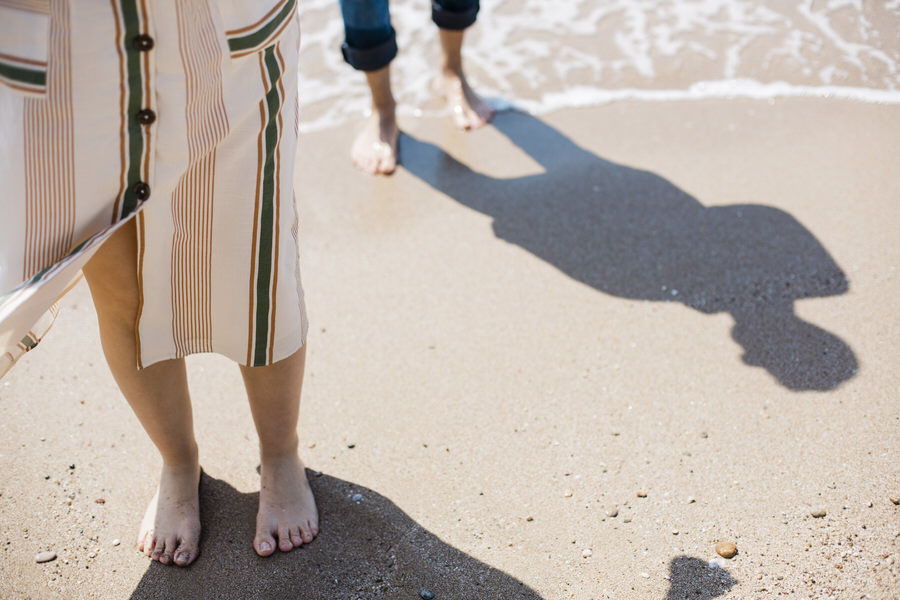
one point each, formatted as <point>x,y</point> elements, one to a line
<point>287,509</point>
<point>170,531</point>
<point>375,148</point>
<point>470,111</point>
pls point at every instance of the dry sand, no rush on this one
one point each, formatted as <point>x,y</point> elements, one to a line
<point>521,328</point>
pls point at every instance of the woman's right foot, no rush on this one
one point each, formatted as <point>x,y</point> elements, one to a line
<point>375,148</point>
<point>170,531</point>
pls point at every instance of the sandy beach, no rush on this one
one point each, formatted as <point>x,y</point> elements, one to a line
<point>682,314</point>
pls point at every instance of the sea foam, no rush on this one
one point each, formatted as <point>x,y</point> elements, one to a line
<point>541,56</point>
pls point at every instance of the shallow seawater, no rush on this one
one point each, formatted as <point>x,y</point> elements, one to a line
<point>541,55</point>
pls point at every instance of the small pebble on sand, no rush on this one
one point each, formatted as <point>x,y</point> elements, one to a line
<point>691,500</point>
<point>612,511</point>
<point>818,513</point>
<point>116,542</point>
<point>567,493</point>
<point>529,518</point>
<point>896,500</point>
<point>45,556</point>
<point>586,553</point>
<point>726,549</point>
<point>357,498</point>
<point>100,500</point>
<point>645,575</point>
<point>426,595</point>
<point>641,494</point>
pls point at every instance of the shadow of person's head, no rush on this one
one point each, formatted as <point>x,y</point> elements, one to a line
<point>368,548</point>
<point>694,579</point>
<point>633,234</point>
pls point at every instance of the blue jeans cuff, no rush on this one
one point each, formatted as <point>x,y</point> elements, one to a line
<point>453,20</point>
<point>370,59</point>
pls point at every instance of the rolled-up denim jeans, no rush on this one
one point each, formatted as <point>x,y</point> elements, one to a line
<point>370,42</point>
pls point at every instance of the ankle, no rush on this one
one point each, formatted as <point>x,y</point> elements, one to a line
<point>186,459</point>
<point>278,452</point>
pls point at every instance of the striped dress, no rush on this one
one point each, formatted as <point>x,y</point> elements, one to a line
<point>179,114</point>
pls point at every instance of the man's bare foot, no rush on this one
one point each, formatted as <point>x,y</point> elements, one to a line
<point>287,509</point>
<point>375,148</point>
<point>170,531</point>
<point>470,111</point>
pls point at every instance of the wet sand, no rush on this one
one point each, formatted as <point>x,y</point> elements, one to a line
<point>523,327</point>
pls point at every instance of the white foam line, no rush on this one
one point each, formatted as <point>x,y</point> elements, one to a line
<point>723,89</point>
<point>727,89</point>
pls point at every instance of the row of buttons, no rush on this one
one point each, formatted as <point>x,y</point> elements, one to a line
<point>143,43</point>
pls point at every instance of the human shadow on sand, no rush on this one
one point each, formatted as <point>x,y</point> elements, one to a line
<point>633,234</point>
<point>694,579</point>
<point>367,548</point>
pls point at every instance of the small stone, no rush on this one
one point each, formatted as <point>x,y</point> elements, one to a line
<point>529,518</point>
<point>319,473</point>
<point>645,575</point>
<point>45,556</point>
<point>895,500</point>
<point>426,595</point>
<point>675,532</point>
<point>726,549</point>
<point>311,445</point>
<point>817,513</point>
<point>626,520</point>
<point>641,494</point>
<point>691,500</point>
<point>46,477</point>
<point>116,542</point>
<point>612,511</point>
<point>72,466</point>
<point>567,493</point>
<point>351,446</point>
<point>357,498</point>
<point>100,500</point>
<point>586,553</point>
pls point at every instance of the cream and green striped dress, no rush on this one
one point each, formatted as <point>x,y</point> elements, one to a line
<point>180,114</point>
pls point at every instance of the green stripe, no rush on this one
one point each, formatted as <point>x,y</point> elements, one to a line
<point>267,212</point>
<point>135,141</point>
<point>23,75</point>
<point>252,40</point>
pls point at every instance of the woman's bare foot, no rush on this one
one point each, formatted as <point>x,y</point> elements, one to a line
<point>287,515</point>
<point>470,111</point>
<point>170,531</point>
<point>375,148</point>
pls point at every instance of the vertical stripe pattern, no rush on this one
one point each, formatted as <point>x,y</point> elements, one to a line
<point>264,274</point>
<point>49,157</point>
<point>192,201</point>
<point>130,22</point>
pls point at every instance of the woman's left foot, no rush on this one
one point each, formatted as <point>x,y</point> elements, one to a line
<point>287,515</point>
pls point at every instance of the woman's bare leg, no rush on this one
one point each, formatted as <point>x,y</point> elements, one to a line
<point>158,395</point>
<point>287,509</point>
<point>470,111</point>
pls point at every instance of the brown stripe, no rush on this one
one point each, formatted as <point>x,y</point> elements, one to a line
<point>23,61</point>
<point>192,201</point>
<point>36,6</point>
<point>49,157</point>
<point>259,23</point>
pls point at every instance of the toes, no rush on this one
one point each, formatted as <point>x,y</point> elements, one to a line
<point>167,555</point>
<point>284,539</point>
<point>307,532</point>
<point>296,540</point>
<point>186,552</point>
<point>264,544</point>
<point>149,543</point>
